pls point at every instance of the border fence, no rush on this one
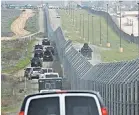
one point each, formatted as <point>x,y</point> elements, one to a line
<point>113,25</point>
<point>118,83</point>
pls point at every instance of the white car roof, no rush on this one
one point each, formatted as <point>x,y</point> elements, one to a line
<point>58,78</point>
<point>45,91</point>
<point>51,73</point>
<point>46,68</point>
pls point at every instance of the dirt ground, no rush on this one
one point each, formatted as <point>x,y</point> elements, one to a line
<point>18,25</point>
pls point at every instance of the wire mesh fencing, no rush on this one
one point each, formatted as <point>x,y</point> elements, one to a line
<point>117,82</point>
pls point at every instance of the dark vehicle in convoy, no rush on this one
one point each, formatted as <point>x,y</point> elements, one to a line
<point>50,83</point>
<point>86,51</point>
<point>28,72</point>
<point>38,53</point>
<point>45,41</point>
<point>50,48</point>
<point>47,56</point>
<point>38,47</point>
<point>64,103</point>
<point>36,62</point>
<point>35,73</point>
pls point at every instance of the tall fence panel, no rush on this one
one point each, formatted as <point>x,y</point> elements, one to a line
<point>118,83</point>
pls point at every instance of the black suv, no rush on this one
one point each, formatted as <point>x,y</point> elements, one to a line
<point>45,42</point>
<point>47,56</point>
<point>50,48</point>
<point>38,53</point>
<point>38,47</point>
<point>36,62</point>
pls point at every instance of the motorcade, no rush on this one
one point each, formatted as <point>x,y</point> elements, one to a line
<point>64,103</point>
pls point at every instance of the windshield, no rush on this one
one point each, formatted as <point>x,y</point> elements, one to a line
<point>28,69</point>
<point>36,69</point>
<point>44,106</point>
<point>44,71</point>
<point>50,76</point>
<point>47,52</point>
<point>50,70</point>
<point>38,51</point>
<point>38,46</point>
<point>77,105</point>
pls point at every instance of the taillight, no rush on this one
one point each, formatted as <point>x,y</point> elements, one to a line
<point>61,91</point>
<point>104,111</point>
<point>21,113</point>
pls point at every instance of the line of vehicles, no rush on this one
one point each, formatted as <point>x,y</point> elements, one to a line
<point>52,99</point>
<point>48,79</point>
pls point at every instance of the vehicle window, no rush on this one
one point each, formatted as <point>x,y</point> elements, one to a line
<point>47,53</point>
<point>50,76</point>
<point>47,85</point>
<point>38,51</point>
<point>44,106</point>
<point>77,105</point>
<point>58,84</point>
<point>44,71</point>
<point>28,69</point>
<point>50,70</point>
<point>36,69</point>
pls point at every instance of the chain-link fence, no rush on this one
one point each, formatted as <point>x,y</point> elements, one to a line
<point>118,83</point>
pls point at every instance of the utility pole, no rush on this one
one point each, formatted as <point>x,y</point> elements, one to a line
<point>88,28</point>
<point>93,41</point>
<point>138,29</point>
<point>100,31</point>
<point>121,49</point>
<point>80,25</point>
<point>83,27</point>
<point>73,16</point>
<point>108,44</point>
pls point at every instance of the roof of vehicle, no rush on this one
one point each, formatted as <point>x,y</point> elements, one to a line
<point>38,45</point>
<point>37,67</point>
<point>46,39</point>
<point>38,49</point>
<point>46,68</point>
<point>51,73</point>
<point>43,91</point>
<point>64,92</point>
<point>28,67</point>
<point>50,78</point>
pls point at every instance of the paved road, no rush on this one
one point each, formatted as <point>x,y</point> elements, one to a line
<point>41,20</point>
<point>55,22</point>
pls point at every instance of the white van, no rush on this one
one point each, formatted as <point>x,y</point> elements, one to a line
<point>63,103</point>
